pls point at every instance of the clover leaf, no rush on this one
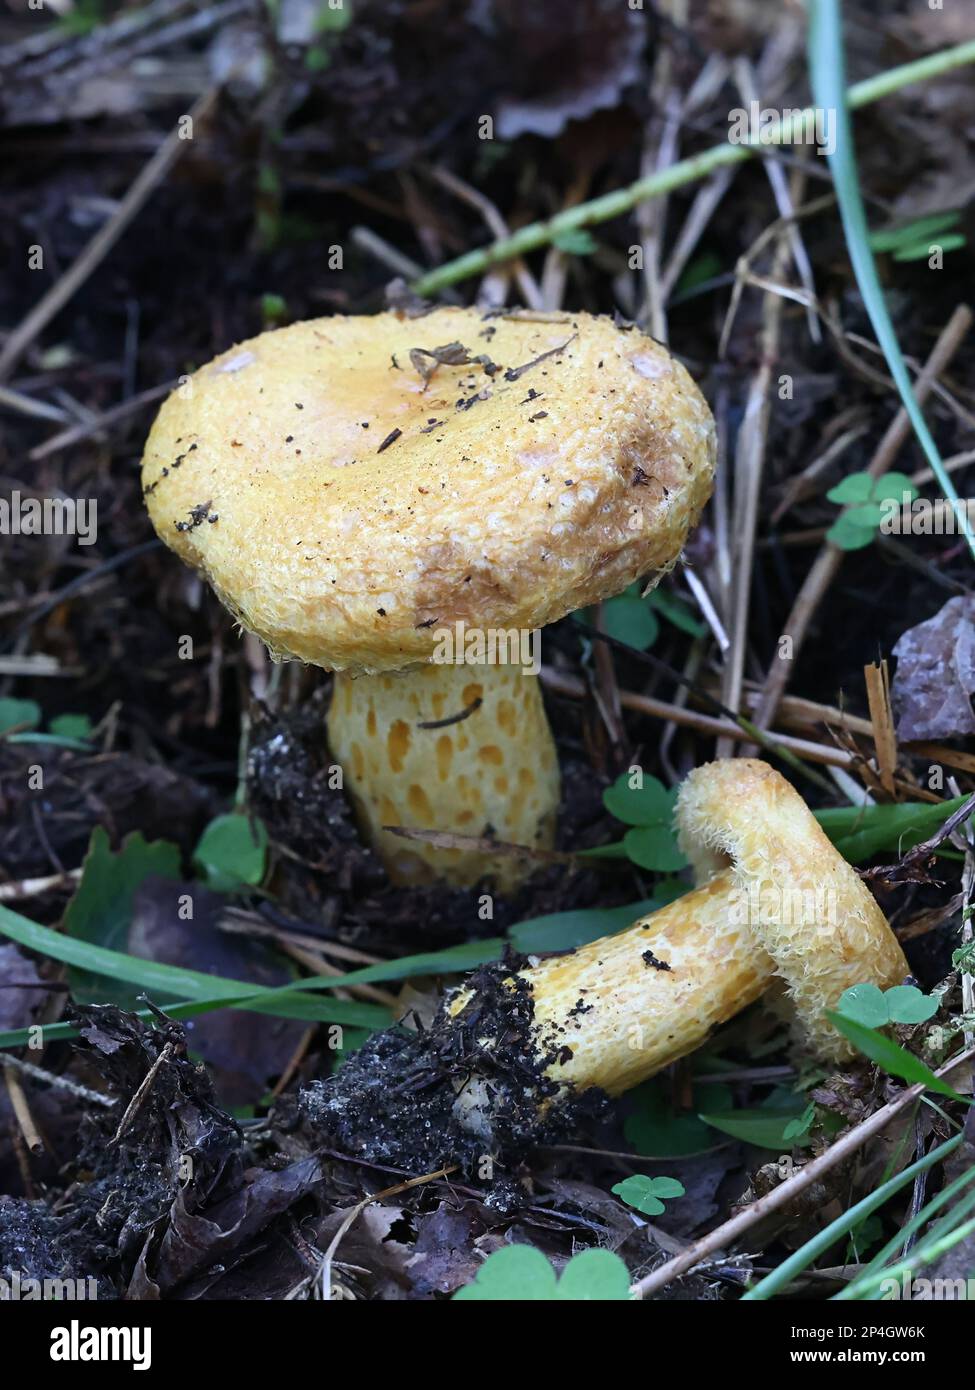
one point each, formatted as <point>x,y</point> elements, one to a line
<point>19,714</point>
<point>866,501</point>
<point>875,1008</point>
<point>856,487</point>
<point>655,1129</point>
<point>520,1273</point>
<point>647,806</point>
<point>653,847</point>
<point>634,619</point>
<point>232,852</point>
<point>648,1194</point>
<point>636,798</point>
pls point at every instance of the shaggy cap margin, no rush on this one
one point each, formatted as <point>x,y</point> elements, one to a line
<point>803,902</point>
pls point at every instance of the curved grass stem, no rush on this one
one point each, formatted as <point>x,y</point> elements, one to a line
<point>686,171</point>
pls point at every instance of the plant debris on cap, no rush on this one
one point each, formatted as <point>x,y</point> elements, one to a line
<point>368,481</point>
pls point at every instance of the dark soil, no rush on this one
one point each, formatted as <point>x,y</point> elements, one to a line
<point>394,1100</point>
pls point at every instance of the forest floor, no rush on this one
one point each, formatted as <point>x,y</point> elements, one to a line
<point>336,150</point>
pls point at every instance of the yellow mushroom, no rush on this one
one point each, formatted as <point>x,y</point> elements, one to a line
<point>775,904</point>
<point>775,901</point>
<point>405,501</point>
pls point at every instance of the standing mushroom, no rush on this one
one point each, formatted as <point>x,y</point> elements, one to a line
<point>385,496</point>
<point>513,1056</point>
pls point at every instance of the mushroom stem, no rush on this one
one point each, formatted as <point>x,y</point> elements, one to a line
<point>612,1013</point>
<point>457,748</point>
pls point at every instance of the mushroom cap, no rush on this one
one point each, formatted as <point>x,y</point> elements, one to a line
<point>804,904</point>
<point>346,503</point>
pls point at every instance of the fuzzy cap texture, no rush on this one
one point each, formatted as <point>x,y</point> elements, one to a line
<point>804,904</point>
<point>351,485</point>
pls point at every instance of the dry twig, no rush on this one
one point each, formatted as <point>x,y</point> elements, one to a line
<point>102,242</point>
<point>727,1234</point>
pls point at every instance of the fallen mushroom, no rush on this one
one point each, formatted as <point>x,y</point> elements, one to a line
<point>407,515</point>
<point>515,1055</point>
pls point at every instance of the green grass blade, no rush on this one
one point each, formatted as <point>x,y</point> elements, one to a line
<point>855,1289</point>
<point>891,1057</point>
<point>780,1278</point>
<point>921,1255</point>
<point>63,1032</point>
<point>202,993</point>
<point>193,985</point>
<point>828,76</point>
<point>860,831</point>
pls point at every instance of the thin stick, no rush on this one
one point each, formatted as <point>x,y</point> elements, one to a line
<point>374,245</point>
<point>949,341</point>
<point>37,47</point>
<point>138,1100</point>
<point>755,734</point>
<point>102,242</point>
<point>749,470</point>
<point>101,422</point>
<point>657,155</point>
<point>26,405</point>
<point>744,275</point>
<point>962,460</point>
<point>497,226</point>
<point>745,78</point>
<point>353,1213</point>
<point>708,610</point>
<point>726,1234</point>
<point>574,688</point>
<point>967,893</point>
<point>555,271</point>
<point>35,664</point>
<point>706,86</point>
<point>690,170</point>
<point>951,757</point>
<point>75,585</point>
<point>295,1060</point>
<point>486,844</point>
<point>250,924</point>
<point>606,690</point>
<point>314,962</point>
<point>700,214</point>
<point>62,1083</point>
<point>34,887</point>
<point>796,712</point>
<point>882,720</point>
<point>21,1109</point>
<point>799,486</point>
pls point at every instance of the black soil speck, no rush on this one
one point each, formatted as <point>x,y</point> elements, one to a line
<point>198,514</point>
<point>650,959</point>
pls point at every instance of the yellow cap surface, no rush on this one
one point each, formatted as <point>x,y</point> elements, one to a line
<point>345,503</point>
